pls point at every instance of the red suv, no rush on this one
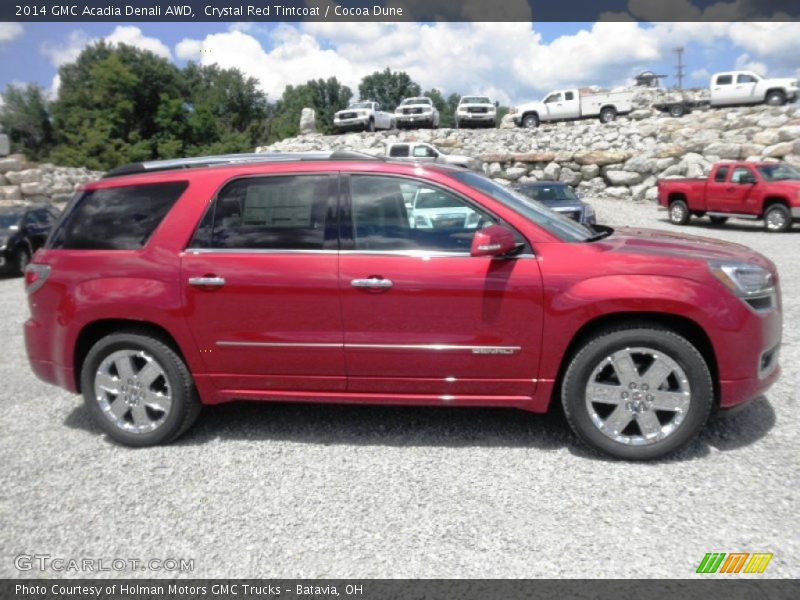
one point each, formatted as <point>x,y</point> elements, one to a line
<point>173,284</point>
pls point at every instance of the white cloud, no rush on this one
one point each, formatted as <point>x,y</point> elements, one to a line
<point>745,63</point>
<point>133,36</point>
<point>66,52</point>
<point>10,32</point>
<point>779,42</point>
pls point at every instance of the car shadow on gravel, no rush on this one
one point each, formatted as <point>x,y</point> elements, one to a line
<point>430,426</point>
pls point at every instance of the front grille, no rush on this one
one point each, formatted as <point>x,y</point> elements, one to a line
<point>350,115</point>
<point>412,111</point>
<point>477,109</point>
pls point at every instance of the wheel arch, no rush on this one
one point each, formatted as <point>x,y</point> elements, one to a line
<point>92,332</point>
<point>772,200</point>
<point>675,196</point>
<point>679,324</point>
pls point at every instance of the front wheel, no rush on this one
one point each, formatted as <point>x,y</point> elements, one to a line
<point>777,218</point>
<point>637,394</point>
<point>677,110</point>
<point>138,389</point>
<point>775,98</point>
<point>679,212</point>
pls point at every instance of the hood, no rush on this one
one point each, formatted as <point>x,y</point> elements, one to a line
<point>456,158</point>
<point>688,247</point>
<point>537,106</point>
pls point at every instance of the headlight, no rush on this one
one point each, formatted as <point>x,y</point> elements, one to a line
<point>362,113</point>
<point>751,283</point>
<point>423,222</point>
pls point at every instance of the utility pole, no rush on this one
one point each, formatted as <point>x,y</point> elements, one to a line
<point>679,68</point>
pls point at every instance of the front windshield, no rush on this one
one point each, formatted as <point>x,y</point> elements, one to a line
<point>779,172</point>
<point>475,100</point>
<point>416,101</point>
<point>10,220</point>
<point>361,105</point>
<point>562,227</point>
<point>548,193</point>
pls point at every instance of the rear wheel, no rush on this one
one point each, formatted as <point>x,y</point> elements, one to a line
<point>718,220</point>
<point>138,389</point>
<point>679,213</point>
<point>677,110</point>
<point>530,121</point>
<point>638,393</point>
<point>777,218</point>
<point>608,114</point>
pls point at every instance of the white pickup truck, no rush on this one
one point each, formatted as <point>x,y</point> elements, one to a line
<point>565,105</point>
<point>422,152</point>
<point>476,110</point>
<point>366,116</point>
<point>416,112</point>
<point>745,87</point>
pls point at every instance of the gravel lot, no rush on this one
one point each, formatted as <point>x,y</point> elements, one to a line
<point>314,491</point>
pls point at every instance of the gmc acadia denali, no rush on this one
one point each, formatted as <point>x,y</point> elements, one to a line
<point>173,284</point>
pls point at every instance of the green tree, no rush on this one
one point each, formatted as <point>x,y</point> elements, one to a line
<point>388,88</point>
<point>324,96</point>
<point>25,117</point>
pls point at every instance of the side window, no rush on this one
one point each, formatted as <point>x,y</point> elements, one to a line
<point>722,173</point>
<point>120,218</point>
<point>742,175</point>
<point>399,150</point>
<point>37,218</point>
<point>744,78</point>
<point>424,152</point>
<point>724,79</point>
<point>569,96</point>
<point>280,213</point>
<point>553,98</point>
<point>391,213</point>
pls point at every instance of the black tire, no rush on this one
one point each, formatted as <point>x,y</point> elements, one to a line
<point>665,342</point>
<point>677,110</point>
<point>775,98</point>
<point>371,126</point>
<point>185,406</point>
<point>21,260</point>
<point>718,220</point>
<point>530,121</point>
<point>777,218</point>
<point>679,212</point>
<point>608,114</point>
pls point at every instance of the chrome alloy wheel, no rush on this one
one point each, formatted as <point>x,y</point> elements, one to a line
<point>677,212</point>
<point>776,220</point>
<point>638,396</point>
<point>132,390</point>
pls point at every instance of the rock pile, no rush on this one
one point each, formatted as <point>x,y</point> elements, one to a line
<point>622,159</point>
<point>23,182</point>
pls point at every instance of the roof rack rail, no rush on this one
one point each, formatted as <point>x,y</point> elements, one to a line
<point>229,159</point>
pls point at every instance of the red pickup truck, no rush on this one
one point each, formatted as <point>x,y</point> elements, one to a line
<point>744,190</point>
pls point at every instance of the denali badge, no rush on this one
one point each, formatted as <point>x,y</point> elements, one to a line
<point>494,350</point>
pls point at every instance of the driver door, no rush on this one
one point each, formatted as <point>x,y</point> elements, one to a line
<point>420,314</point>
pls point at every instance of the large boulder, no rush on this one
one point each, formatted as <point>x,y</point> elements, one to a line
<point>778,150</point>
<point>10,192</point>
<point>12,163</point>
<point>507,122</point>
<point>616,177</point>
<point>724,150</point>
<point>601,157</point>
<point>26,176</point>
<point>552,171</point>
<point>308,121</point>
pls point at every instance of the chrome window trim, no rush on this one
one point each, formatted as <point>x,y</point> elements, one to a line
<point>404,253</point>
<point>485,350</point>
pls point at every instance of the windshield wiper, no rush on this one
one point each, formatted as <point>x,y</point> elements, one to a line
<point>601,232</point>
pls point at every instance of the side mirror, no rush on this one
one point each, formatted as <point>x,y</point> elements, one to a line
<point>494,240</point>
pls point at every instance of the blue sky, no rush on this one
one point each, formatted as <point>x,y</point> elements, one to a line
<point>512,61</point>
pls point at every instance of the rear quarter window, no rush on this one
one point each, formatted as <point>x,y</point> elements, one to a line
<point>121,218</point>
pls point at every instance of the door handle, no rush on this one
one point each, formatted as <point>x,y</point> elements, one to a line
<point>372,282</point>
<point>208,281</point>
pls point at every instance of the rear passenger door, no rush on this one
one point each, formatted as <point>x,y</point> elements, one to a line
<point>261,285</point>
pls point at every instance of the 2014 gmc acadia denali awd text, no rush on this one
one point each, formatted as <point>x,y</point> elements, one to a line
<point>174,284</point>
